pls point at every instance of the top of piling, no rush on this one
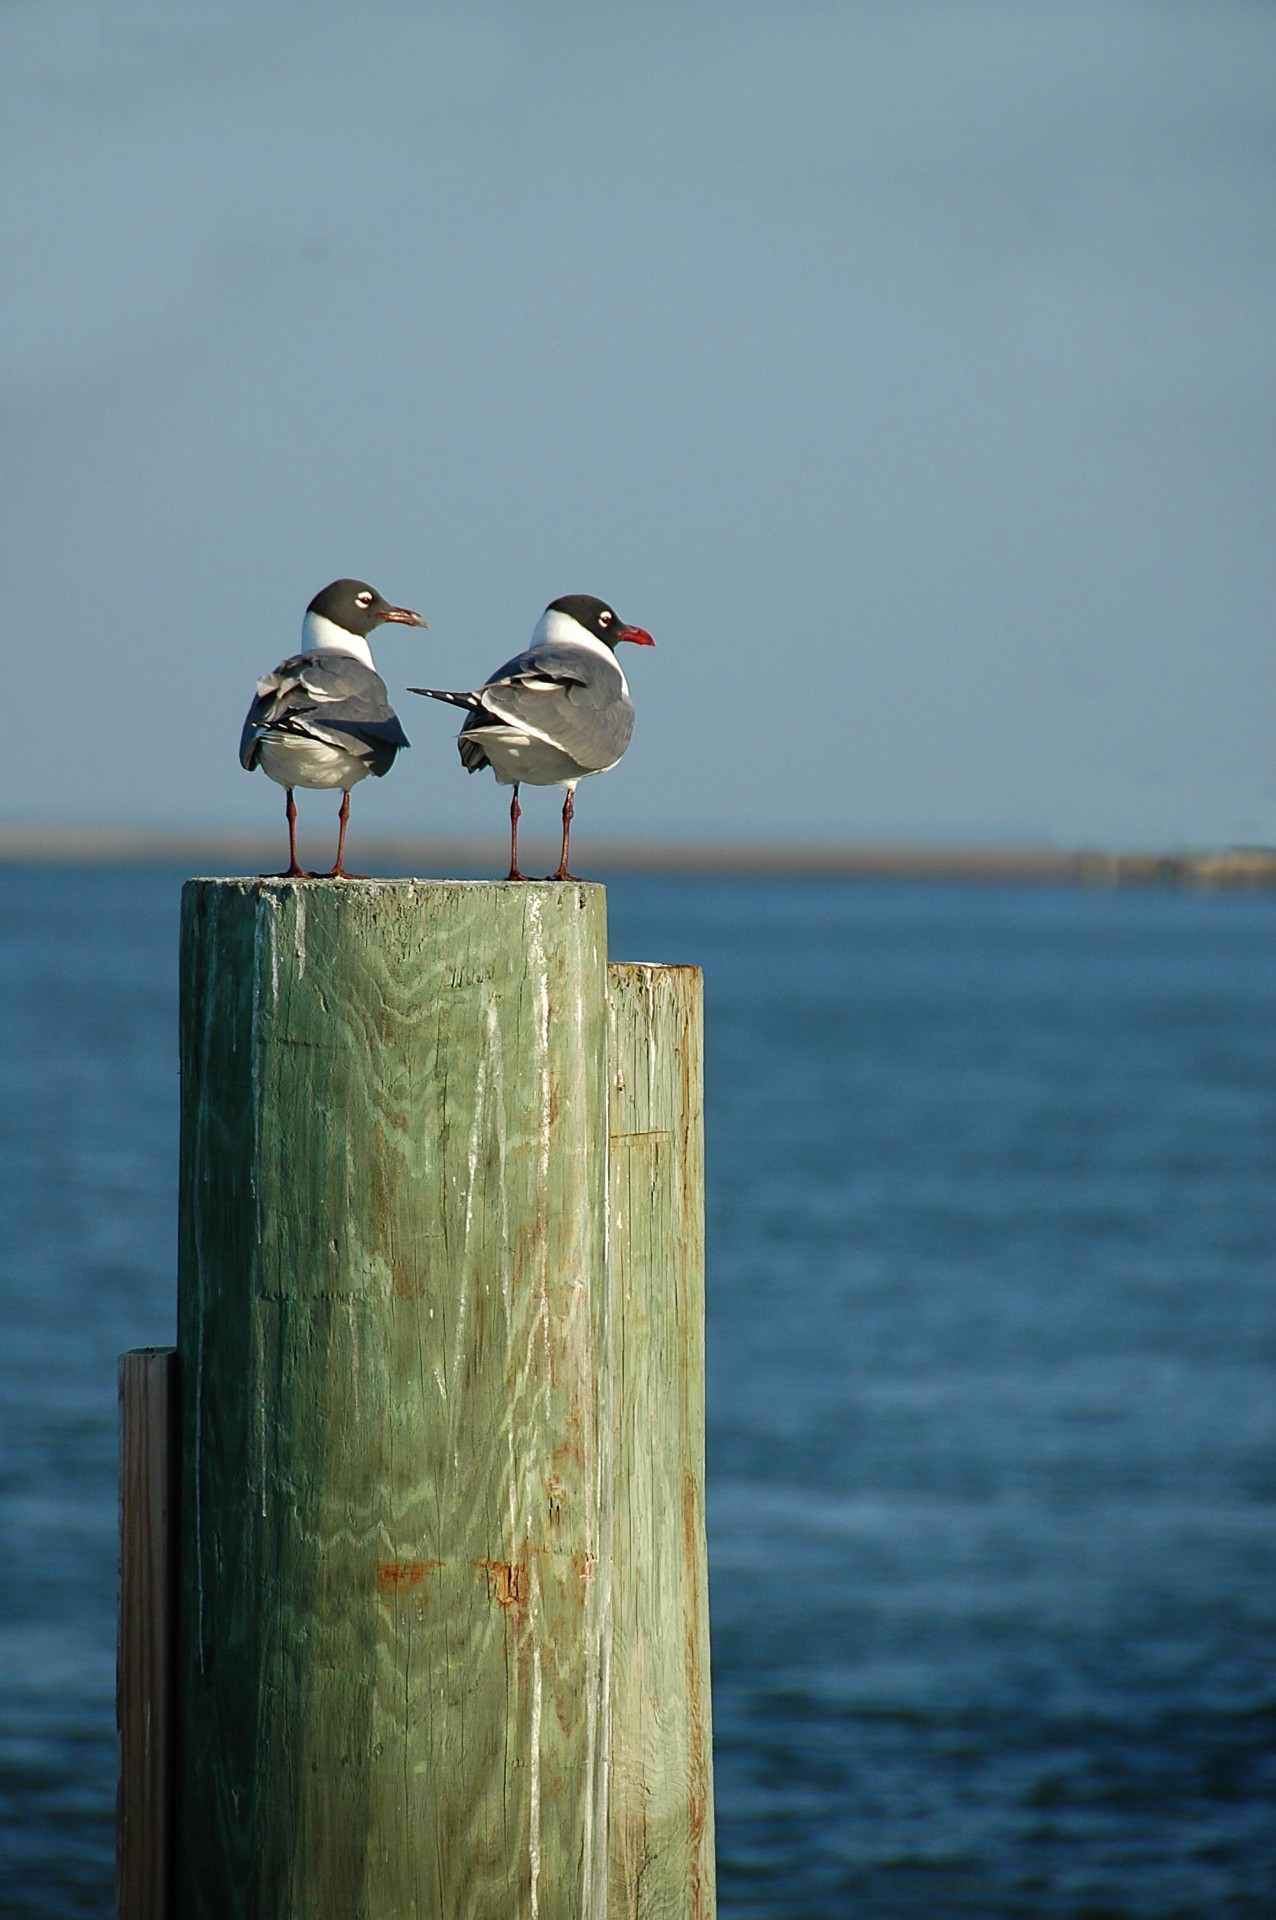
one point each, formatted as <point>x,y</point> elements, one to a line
<point>363,883</point>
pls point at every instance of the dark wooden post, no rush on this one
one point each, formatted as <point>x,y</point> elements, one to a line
<point>144,1672</point>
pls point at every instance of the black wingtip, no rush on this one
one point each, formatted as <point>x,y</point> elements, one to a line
<point>468,700</point>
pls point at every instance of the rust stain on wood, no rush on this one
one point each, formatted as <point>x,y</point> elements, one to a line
<point>398,1576</point>
<point>506,1581</point>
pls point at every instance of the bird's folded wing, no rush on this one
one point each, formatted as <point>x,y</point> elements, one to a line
<point>327,697</point>
<point>552,660</point>
<point>580,708</point>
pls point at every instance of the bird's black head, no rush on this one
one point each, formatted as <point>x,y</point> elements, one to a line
<point>599,619</point>
<point>356,607</point>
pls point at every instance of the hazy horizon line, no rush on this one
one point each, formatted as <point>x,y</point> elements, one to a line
<point>62,844</point>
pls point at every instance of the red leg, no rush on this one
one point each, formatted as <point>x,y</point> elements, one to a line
<point>337,871</point>
<point>292,871</point>
<point>569,808</point>
<point>516,814</point>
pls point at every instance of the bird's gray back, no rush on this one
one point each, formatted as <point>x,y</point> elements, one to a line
<point>573,696</point>
<point>329,696</point>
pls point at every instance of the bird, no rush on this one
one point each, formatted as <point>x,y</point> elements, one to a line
<point>555,713</point>
<point>323,718</point>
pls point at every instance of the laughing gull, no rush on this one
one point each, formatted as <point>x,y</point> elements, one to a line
<point>323,717</point>
<point>554,714</point>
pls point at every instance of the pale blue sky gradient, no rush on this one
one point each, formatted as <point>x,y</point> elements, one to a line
<point>907,369</point>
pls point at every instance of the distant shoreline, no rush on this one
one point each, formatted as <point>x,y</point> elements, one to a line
<point>23,845</point>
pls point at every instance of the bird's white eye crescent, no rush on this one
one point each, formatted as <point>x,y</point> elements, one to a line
<point>605,617</point>
<point>363,599</point>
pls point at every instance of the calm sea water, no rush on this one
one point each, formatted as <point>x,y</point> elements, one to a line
<point>992,1428</point>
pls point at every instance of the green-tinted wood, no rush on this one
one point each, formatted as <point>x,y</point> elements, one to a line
<point>392,1328</point>
<point>661,1859</point>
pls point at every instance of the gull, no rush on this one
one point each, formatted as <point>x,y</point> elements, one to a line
<point>323,718</point>
<point>554,714</point>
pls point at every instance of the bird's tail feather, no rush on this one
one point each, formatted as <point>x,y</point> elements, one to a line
<point>469,700</point>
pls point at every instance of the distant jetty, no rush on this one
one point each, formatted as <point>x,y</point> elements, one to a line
<point>1224,867</point>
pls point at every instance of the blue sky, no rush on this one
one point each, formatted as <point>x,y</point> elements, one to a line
<point>906,368</point>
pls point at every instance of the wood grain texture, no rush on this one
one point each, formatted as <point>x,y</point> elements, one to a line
<point>144,1670</point>
<point>393,1333</point>
<point>661,1836</point>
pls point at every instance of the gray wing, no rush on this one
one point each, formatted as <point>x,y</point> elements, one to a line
<point>576,700</point>
<point>329,697</point>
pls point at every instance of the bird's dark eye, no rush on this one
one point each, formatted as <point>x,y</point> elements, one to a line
<point>364,599</point>
<point>605,617</point>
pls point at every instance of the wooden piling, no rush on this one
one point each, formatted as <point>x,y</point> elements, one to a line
<point>661,1861</point>
<point>145,1654</point>
<point>393,1335</point>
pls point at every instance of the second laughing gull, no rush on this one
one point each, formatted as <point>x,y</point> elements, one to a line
<point>554,714</point>
<point>323,718</point>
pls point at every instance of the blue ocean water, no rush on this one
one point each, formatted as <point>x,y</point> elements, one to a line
<point>992,1429</point>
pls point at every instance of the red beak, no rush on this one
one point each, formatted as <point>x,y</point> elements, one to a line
<point>639,637</point>
<point>404,616</point>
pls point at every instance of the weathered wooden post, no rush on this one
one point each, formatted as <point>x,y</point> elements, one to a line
<point>399,1458</point>
<point>393,1336</point>
<point>661,1803</point>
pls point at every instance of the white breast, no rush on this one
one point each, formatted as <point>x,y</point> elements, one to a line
<point>294,761</point>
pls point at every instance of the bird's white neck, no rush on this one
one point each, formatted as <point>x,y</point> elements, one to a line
<point>324,636</point>
<point>559,629</point>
